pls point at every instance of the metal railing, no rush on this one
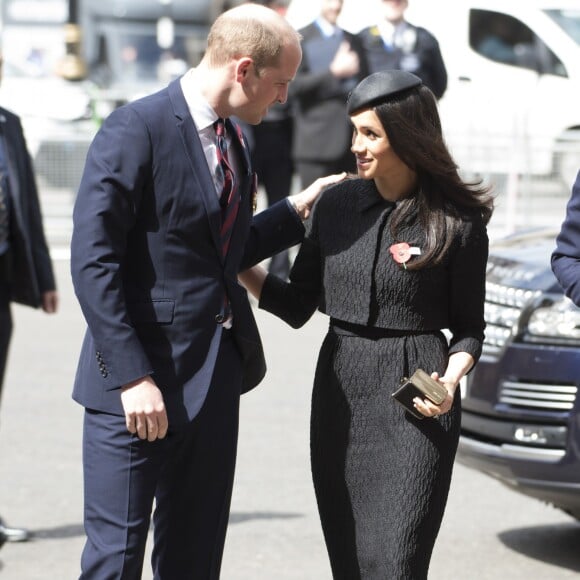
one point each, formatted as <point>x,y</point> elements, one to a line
<point>523,200</point>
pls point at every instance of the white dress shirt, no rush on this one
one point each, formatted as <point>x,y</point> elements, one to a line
<point>204,117</point>
<point>327,28</point>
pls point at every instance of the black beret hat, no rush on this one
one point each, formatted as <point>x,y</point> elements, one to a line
<point>378,87</point>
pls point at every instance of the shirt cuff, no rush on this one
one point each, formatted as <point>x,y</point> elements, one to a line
<point>294,210</point>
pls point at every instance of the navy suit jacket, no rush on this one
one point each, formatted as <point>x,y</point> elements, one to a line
<point>322,129</point>
<point>146,260</point>
<point>31,271</point>
<point>566,256</point>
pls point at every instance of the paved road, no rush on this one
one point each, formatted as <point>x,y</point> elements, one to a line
<point>489,532</point>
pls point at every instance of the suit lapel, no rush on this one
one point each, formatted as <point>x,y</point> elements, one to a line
<point>201,176</point>
<point>240,143</point>
<point>10,154</point>
<point>245,176</point>
<point>246,187</point>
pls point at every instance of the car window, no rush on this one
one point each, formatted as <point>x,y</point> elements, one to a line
<point>568,21</point>
<point>505,39</point>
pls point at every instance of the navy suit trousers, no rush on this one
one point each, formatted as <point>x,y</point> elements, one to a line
<point>189,474</point>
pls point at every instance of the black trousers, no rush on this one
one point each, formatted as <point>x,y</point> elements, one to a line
<point>272,160</point>
<point>5,319</point>
<point>189,474</point>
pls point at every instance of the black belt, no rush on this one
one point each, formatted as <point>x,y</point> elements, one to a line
<point>372,332</point>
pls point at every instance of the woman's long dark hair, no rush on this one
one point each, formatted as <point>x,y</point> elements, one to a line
<point>411,121</point>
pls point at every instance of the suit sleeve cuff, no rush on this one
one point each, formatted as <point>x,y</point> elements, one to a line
<point>294,210</point>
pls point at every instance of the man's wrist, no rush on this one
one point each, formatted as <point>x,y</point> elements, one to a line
<point>300,208</point>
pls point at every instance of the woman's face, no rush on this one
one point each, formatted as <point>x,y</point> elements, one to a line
<point>375,158</point>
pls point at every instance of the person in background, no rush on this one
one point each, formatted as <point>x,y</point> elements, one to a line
<point>332,64</point>
<point>497,40</point>
<point>566,257</point>
<point>394,43</point>
<point>271,147</point>
<point>393,257</point>
<point>26,273</point>
<point>162,225</point>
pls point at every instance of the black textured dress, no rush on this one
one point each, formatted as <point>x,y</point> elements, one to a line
<point>381,476</point>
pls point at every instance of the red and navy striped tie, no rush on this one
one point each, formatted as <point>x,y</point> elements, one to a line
<point>229,197</point>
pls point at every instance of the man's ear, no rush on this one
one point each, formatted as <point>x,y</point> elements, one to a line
<point>243,68</point>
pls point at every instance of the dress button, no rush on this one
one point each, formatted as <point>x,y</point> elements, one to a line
<point>219,318</point>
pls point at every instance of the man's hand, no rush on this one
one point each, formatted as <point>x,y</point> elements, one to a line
<point>345,63</point>
<point>304,200</point>
<point>144,408</point>
<point>49,301</point>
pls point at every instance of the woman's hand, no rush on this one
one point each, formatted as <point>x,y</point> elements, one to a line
<point>457,367</point>
<point>429,408</point>
<point>304,200</point>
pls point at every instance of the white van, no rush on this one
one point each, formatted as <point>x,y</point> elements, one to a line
<point>513,99</point>
<point>510,107</point>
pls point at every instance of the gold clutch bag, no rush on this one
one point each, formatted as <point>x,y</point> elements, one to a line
<point>420,384</point>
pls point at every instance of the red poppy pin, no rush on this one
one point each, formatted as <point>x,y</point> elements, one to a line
<point>402,252</point>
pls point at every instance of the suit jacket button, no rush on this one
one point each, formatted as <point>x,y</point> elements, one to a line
<point>219,318</point>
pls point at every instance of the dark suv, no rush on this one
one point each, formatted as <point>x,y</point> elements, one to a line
<point>521,413</point>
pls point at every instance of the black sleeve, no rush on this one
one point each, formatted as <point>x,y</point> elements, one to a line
<point>566,257</point>
<point>467,289</point>
<point>433,71</point>
<point>296,301</point>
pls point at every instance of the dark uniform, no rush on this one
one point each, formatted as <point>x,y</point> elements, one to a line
<point>413,49</point>
<point>25,265</point>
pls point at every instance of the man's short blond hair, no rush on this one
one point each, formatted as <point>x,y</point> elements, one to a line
<point>249,30</point>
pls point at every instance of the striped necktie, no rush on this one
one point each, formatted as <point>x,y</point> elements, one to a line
<point>229,196</point>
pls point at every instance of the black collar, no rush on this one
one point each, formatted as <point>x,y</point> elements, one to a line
<point>369,196</point>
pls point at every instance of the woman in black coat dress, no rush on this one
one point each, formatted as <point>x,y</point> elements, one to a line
<point>393,258</point>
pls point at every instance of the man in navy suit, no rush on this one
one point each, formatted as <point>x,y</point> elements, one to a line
<point>332,65</point>
<point>26,274</point>
<point>566,256</point>
<point>171,340</point>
